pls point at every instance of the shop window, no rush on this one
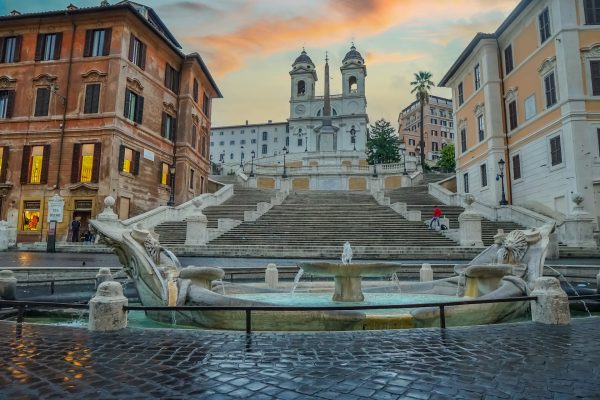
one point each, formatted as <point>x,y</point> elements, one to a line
<point>4,152</point>
<point>31,215</point>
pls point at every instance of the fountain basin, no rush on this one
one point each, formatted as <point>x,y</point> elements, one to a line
<point>348,277</point>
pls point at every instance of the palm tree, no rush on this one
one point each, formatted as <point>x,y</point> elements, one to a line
<point>421,87</point>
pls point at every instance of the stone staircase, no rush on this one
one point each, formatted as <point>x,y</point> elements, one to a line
<point>418,198</point>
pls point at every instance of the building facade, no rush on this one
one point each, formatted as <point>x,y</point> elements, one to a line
<point>302,133</point>
<point>95,102</point>
<point>529,95</point>
<point>438,127</point>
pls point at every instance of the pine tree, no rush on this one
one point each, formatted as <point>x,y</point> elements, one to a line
<point>447,160</point>
<point>383,146</point>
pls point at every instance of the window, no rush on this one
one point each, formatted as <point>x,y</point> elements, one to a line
<point>592,12</point>
<point>42,102</point>
<point>434,133</point>
<point>164,174</point>
<point>597,135</point>
<point>411,142</point>
<point>92,98</point>
<point>48,46</point>
<point>434,121</point>
<point>544,25</point>
<point>242,141</point>
<point>4,153</point>
<point>97,42</point>
<point>301,88</point>
<point>480,128</point>
<point>253,141</point>
<point>134,106</point>
<point>466,182</point>
<point>221,133</point>
<point>34,167</point>
<point>555,151</point>
<point>483,171</point>
<point>265,136</point>
<point>530,107</point>
<point>204,150</point>
<point>353,85</point>
<point>31,216</point>
<point>221,143</point>
<point>231,156</point>
<point>508,60</point>
<point>129,160</point>
<point>206,105</point>
<point>195,90</point>
<point>232,142</point>
<point>10,49</point>
<point>137,52</point>
<point>192,172</point>
<point>86,162</point>
<point>275,139</point>
<point>264,149</point>
<point>287,141</point>
<point>300,142</point>
<point>172,79</point>
<point>595,76</point>
<point>512,115</point>
<point>7,103</point>
<point>516,162</point>
<point>461,94</point>
<point>550,89</point>
<point>477,73</point>
<point>463,140</point>
<point>434,146</point>
<point>193,136</point>
<point>169,126</point>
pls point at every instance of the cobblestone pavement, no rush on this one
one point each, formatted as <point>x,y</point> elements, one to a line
<point>511,361</point>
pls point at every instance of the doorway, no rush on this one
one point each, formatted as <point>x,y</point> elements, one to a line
<point>83,212</point>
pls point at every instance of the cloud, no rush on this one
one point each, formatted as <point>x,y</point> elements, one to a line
<point>373,57</point>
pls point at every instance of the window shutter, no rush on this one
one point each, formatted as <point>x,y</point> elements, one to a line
<point>96,98</point>
<point>18,44</point>
<point>143,56</point>
<point>121,158</point>
<point>4,167</point>
<point>89,37</point>
<point>131,41</point>
<point>160,167</point>
<point>76,163</point>
<point>45,164</point>
<point>107,40</point>
<point>39,46</point>
<point>136,162</point>
<point>96,165</point>
<point>126,108</point>
<point>25,164</point>
<point>11,104</point>
<point>140,110</point>
<point>58,46</point>
<point>167,75</point>
<point>173,137</point>
<point>87,107</point>
<point>163,124</point>
<point>2,49</point>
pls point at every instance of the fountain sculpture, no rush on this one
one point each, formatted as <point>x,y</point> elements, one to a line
<point>506,269</point>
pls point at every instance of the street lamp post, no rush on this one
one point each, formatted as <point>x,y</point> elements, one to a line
<point>285,150</point>
<point>375,168</point>
<point>353,136</point>
<point>172,185</point>
<point>253,154</point>
<point>222,160</point>
<point>500,177</point>
<point>403,155</point>
<point>242,158</point>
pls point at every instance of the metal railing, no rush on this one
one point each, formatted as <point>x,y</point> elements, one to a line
<point>22,307</point>
<point>53,281</point>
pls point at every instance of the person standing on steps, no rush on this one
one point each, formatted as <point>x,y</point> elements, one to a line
<point>437,214</point>
<point>75,225</point>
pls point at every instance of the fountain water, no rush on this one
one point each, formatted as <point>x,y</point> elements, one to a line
<point>347,254</point>
<point>297,279</point>
<point>396,281</point>
<point>561,276</point>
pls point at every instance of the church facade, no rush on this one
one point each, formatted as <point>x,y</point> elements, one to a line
<point>316,124</point>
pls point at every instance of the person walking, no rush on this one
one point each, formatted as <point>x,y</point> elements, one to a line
<point>75,225</point>
<point>437,214</point>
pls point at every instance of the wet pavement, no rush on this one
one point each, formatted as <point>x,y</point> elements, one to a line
<point>510,361</point>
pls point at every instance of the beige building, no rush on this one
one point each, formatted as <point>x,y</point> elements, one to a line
<point>529,95</point>
<point>438,127</point>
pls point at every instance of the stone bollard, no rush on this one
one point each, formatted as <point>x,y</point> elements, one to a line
<point>106,308</point>
<point>271,276</point>
<point>4,236</point>
<point>552,304</point>
<point>8,285</point>
<point>103,275</point>
<point>426,273</point>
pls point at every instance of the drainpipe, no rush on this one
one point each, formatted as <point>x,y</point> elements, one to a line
<point>508,173</point>
<point>175,133</point>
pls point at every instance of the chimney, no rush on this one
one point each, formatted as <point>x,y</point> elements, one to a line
<point>71,7</point>
<point>14,12</point>
<point>270,121</point>
<point>104,3</point>
<point>246,122</point>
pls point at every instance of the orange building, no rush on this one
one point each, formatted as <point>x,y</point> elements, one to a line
<point>529,95</point>
<point>95,102</point>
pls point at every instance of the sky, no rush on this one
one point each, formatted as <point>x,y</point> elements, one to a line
<point>250,45</point>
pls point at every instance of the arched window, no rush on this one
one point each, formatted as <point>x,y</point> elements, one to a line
<point>353,84</point>
<point>333,112</point>
<point>301,88</point>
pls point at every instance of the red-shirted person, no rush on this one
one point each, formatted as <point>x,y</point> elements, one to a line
<point>437,214</point>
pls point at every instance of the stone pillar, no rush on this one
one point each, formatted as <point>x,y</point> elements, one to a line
<point>426,273</point>
<point>4,236</point>
<point>469,223</point>
<point>103,275</point>
<point>8,285</point>
<point>106,308</point>
<point>579,225</point>
<point>196,230</point>
<point>108,215</point>
<point>271,276</point>
<point>285,185</point>
<point>552,304</point>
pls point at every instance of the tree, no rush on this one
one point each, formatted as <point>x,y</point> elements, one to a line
<point>383,145</point>
<point>421,87</point>
<point>447,160</point>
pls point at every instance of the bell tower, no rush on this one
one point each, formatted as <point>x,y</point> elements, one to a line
<point>354,72</point>
<point>303,78</point>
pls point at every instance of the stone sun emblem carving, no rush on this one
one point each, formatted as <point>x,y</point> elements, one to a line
<point>513,248</point>
<point>152,247</point>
